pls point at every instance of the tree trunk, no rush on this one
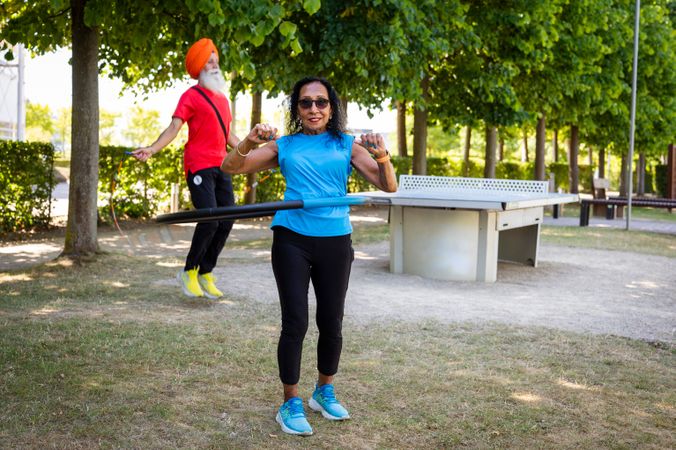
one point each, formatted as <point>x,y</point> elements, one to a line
<point>401,129</point>
<point>468,146</point>
<point>81,232</point>
<point>491,144</point>
<point>233,113</point>
<point>343,106</point>
<point>602,163</point>
<point>590,150</point>
<point>540,138</point>
<point>524,155</point>
<point>256,113</point>
<point>574,148</point>
<point>501,148</point>
<point>555,146</point>
<point>420,133</point>
<point>640,175</point>
<point>233,106</point>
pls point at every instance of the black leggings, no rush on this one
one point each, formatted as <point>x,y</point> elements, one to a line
<point>297,259</point>
<point>209,188</point>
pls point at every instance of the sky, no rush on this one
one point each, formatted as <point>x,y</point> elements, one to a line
<point>48,82</point>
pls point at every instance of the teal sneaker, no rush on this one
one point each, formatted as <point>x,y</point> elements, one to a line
<point>324,400</point>
<point>291,416</point>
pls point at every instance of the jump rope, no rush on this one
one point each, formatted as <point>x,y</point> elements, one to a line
<point>113,184</point>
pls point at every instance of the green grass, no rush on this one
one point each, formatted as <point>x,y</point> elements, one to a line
<point>637,212</point>
<point>100,356</point>
<point>610,239</point>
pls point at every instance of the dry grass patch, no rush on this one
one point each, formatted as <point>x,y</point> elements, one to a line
<point>101,355</point>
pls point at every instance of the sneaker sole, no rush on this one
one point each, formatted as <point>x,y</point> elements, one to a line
<point>185,291</point>
<point>208,295</point>
<point>315,406</point>
<point>288,430</point>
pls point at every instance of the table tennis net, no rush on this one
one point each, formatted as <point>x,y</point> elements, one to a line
<point>432,183</point>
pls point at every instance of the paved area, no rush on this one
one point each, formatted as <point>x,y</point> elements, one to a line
<point>655,226</point>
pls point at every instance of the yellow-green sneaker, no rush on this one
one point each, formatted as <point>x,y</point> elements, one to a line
<point>207,283</point>
<point>188,281</point>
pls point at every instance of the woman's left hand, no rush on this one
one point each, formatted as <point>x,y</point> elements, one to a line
<point>373,143</point>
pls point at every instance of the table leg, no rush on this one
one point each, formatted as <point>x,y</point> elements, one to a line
<point>396,239</point>
<point>520,245</point>
<point>584,214</point>
<point>487,254</point>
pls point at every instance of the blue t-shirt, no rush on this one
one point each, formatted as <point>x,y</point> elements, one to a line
<point>315,166</point>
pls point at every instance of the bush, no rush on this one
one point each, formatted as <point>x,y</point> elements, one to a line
<point>511,170</point>
<point>26,184</point>
<point>138,190</point>
<point>476,168</point>
<point>270,186</point>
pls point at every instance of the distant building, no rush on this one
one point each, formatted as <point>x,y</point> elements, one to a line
<point>12,98</point>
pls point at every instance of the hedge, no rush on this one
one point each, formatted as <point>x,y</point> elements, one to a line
<point>141,190</point>
<point>26,183</point>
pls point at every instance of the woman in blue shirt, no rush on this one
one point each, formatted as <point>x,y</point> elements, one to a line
<point>316,158</point>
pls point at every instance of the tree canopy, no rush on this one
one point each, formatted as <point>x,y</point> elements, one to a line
<point>458,62</point>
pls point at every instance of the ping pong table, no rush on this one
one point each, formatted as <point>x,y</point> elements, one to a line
<point>453,228</point>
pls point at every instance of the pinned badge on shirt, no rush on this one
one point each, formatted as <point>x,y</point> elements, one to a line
<point>197,180</point>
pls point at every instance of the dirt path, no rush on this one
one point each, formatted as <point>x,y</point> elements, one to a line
<point>573,289</point>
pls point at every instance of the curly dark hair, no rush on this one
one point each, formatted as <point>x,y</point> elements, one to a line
<point>336,124</point>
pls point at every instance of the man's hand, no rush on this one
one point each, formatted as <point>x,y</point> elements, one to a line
<point>142,154</point>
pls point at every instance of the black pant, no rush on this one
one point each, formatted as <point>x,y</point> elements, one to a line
<point>297,259</point>
<point>209,188</point>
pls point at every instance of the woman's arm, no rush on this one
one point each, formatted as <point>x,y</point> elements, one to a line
<point>246,158</point>
<point>378,171</point>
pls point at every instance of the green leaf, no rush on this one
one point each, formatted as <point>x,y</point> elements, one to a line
<point>296,47</point>
<point>249,71</point>
<point>216,19</point>
<point>312,6</point>
<point>258,39</point>
<point>287,28</point>
<point>58,5</point>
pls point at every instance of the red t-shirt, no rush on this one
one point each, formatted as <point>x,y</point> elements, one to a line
<point>206,143</point>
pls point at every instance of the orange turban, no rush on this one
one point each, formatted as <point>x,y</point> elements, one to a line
<point>198,55</point>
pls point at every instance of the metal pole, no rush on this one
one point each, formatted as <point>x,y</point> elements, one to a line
<point>21,98</point>
<point>637,14</point>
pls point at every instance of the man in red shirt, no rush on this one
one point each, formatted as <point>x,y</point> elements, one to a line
<point>205,150</point>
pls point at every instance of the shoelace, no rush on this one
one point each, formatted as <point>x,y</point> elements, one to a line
<point>328,394</point>
<point>296,408</point>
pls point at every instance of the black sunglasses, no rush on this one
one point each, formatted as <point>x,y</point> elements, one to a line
<point>306,103</point>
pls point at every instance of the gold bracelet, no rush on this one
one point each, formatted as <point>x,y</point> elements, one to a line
<point>384,159</point>
<point>240,153</point>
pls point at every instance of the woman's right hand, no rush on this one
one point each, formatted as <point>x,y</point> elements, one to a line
<point>262,133</point>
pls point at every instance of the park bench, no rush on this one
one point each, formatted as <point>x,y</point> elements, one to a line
<point>611,203</point>
<point>600,187</point>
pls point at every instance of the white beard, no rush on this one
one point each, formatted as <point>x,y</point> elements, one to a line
<point>212,80</point>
